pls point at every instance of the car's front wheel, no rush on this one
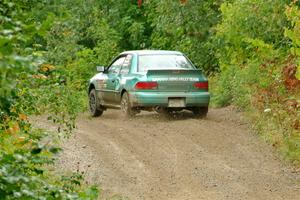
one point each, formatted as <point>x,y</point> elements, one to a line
<point>95,108</point>
<point>200,112</point>
<point>126,106</point>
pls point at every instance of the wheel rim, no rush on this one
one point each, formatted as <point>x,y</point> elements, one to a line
<point>124,104</point>
<point>92,103</point>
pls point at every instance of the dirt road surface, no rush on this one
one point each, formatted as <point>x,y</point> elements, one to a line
<point>151,157</point>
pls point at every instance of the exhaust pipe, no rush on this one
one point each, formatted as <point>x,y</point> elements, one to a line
<point>158,109</point>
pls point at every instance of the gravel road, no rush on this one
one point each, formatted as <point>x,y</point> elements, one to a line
<point>151,157</point>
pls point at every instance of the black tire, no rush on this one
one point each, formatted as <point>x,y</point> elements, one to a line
<point>200,112</point>
<point>126,106</point>
<point>94,106</point>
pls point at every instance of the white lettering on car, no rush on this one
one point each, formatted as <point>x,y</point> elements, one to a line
<point>175,79</point>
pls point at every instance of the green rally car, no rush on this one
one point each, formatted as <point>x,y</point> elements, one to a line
<point>153,80</point>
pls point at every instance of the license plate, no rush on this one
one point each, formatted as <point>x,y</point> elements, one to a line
<point>176,102</point>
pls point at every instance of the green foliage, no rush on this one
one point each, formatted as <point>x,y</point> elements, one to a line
<point>77,42</point>
<point>28,86</point>
<point>243,21</point>
<point>256,60</point>
<point>12,64</point>
<point>249,47</point>
<point>108,27</point>
<point>293,14</point>
<point>22,168</point>
<point>129,21</point>
<point>187,28</point>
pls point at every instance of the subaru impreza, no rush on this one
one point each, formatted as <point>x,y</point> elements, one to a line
<point>152,80</point>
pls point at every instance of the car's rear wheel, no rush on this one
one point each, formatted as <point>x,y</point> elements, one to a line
<point>95,107</point>
<point>200,112</point>
<point>126,107</point>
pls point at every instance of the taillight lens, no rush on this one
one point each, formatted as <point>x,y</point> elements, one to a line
<point>146,85</point>
<point>201,85</point>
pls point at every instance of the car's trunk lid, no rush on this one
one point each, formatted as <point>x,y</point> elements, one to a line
<point>175,80</point>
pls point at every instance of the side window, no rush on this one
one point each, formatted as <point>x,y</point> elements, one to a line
<point>126,65</point>
<point>116,66</point>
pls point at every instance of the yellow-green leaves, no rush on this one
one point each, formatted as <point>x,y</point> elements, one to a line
<point>293,33</point>
<point>293,14</point>
<point>298,72</point>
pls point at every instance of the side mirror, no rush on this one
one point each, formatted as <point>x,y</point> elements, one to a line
<point>100,68</point>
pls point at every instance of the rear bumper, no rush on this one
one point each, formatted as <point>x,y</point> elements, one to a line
<point>149,99</point>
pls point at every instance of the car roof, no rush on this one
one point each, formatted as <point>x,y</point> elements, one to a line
<point>150,52</point>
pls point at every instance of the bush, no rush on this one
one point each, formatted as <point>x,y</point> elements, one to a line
<point>258,68</point>
<point>28,86</point>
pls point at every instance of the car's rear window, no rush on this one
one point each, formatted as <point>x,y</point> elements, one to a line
<point>155,62</point>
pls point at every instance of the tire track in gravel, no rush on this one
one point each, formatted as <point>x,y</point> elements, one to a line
<point>150,157</point>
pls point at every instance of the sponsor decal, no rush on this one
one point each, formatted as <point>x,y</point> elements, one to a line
<point>101,83</point>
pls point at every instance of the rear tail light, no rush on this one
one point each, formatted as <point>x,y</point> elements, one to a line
<point>201,85</point>
<point>146,85</point>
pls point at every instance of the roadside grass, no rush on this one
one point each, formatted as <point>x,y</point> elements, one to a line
<point>276,122</point>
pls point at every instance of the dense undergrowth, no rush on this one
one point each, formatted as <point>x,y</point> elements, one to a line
<point>49,49</point>
<point>30,86</point>
<point>259,68</point>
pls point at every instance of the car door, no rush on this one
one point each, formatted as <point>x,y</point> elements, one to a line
<point>113,71</point>
<point>123,77</point>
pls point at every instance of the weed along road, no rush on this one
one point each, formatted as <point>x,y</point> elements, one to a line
<point>151,157</point>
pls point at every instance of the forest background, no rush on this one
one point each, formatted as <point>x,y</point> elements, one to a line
<point>250,49</point>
